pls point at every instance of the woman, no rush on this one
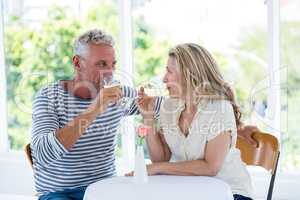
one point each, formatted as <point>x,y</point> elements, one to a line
<point>198,123</point>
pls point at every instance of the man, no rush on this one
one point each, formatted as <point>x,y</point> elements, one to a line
<point>75,122</point>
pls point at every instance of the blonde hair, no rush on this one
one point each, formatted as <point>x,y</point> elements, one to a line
<point>200,73</point>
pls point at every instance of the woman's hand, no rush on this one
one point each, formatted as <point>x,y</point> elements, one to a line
<point>152,169</point>
<point>146,104</point>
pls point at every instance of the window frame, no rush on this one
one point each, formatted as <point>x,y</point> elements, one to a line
<point>4,142</point>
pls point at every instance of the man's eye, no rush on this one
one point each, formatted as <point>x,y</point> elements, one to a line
<point>102,65</point>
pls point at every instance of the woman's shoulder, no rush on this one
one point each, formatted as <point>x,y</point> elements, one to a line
<point>217,110</point>
<point>217,105</point>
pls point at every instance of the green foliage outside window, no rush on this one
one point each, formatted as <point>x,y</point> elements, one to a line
<point>37,57</point>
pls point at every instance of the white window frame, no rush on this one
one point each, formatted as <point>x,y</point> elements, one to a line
<point>4,145</point>
<point>126,60</point>
<point>273,111</point>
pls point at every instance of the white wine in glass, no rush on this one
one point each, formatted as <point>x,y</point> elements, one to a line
<point>155,87</point>
<point>109,82</point>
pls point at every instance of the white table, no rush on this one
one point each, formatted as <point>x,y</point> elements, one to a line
<point>160,188</point>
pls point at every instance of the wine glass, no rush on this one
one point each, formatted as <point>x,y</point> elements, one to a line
<point>155,87</point>
<point>110,81</point>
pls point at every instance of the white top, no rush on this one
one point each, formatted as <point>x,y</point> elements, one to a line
<point>212,118</point>
<point>159,187</point>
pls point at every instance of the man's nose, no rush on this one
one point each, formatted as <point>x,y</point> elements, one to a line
<point>165,79</point>
<point>111,69</point>
<point>107,73</point>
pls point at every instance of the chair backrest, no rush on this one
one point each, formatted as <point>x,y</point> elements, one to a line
<point>265,154</point>
<point>28,154</point>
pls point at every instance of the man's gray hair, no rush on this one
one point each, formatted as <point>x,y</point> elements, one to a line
<point>94,36</point>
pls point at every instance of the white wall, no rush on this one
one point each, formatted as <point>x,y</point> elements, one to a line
<point>286,185</point>
<point>16,178</point>
<point>16,175</point>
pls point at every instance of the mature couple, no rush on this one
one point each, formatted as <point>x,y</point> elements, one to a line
<point>75,122</point>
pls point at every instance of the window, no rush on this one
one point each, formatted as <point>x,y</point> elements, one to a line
<point>38,38</point>
<point>290,62</point>
<point>238,34</point>
<point>37,51</point>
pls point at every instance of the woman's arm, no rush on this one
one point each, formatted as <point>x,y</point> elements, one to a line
<point>215,153</point>
<point>157,146</point>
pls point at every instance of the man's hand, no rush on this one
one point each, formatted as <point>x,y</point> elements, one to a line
<point>107,96</point>
<point>246,132</point>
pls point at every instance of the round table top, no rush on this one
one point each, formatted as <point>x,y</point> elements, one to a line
<point>159,187</point>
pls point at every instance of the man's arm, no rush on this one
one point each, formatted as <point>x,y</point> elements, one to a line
<point>246,133</point>
<point>133,109</point>
<point>49,142</point>
<point>71,132</point>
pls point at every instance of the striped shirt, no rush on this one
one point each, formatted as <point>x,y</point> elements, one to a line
<point>93,155</point>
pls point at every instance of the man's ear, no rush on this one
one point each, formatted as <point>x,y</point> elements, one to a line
<point>76,62</point>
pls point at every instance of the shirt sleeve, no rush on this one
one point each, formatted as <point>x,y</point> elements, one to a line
<point>221,119</point>
<point>133,108</point>
<point>159,119</point>
<point>44,144</point>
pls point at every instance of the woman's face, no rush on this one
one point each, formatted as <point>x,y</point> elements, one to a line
<point>172,78</point>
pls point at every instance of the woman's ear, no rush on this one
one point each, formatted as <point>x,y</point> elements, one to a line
<point>76,62</point>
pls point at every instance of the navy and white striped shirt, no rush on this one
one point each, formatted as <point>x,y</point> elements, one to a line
<point>93,155</point>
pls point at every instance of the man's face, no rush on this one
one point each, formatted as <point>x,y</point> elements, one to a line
<point>98,61</point>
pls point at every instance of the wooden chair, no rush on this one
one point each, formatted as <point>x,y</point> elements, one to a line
<point>265,154</point>
<point>28,154</point>
<point>29,157</point>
